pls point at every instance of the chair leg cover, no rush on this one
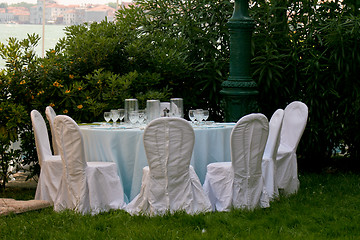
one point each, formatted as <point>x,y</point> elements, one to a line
<point>249,192</point>
<point>69,198</point>
<point>218,185</point>
<point>269,168</point>
<point>105,188</point>
<point>226,192</point>
<point>101,192</point>
<point>287,173</point>
<point>49,179</point>
<point>192,200</point>
<point>68,201</point>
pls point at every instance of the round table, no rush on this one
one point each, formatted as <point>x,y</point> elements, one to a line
<point>124,146</point>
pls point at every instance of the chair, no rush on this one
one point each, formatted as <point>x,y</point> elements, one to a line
<point>50,165</point>
<point>50,115</point>
<point>239,183</point>
<point>169,183</point>
<point>86,187</point>
<point>269,159</point>
<point>293,126</point>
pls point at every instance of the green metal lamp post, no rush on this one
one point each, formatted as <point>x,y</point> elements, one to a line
<point>239,91</point>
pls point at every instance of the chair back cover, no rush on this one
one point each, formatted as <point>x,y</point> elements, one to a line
<point>70,143</point>
<point>247,143</point>
<point>271,149</point>
<point>50,116</point>
<point>169,143</point>
<point>293,126</point>
<point>41,136</point>
<point>273,141</point>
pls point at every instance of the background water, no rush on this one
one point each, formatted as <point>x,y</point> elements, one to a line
<point>52,34</point>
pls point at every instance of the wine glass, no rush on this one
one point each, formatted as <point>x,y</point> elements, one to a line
<point>134,117</point>
<point>205,115</point>
<point>107,117</point>
<point>198,115</point>
<point>114,116</point>
<point>141,118</point>
<point>192,116</point>
<point>121,114</point>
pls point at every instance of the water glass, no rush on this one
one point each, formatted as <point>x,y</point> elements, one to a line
<point>152,109</point>
<point>205,115</point>
<point>107,117</point>
<point>114,116</point>
<point>192,116</point>
<point>130,105</point>
<point>121,114</point>
<point>198,115</point>
<point>141,118</point>
<point>176,107</point>
<point>134,117</point>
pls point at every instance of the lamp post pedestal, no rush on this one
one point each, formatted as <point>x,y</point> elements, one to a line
<point>239,91</point>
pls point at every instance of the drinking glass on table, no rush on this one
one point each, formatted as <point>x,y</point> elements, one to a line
<point>114,116</point>
<point>192,116</point>
<point>121,114</point>
<point>198,115</point>
<point>134,117</point>
<point>107,117</point>
<point>205,115</point>
<point>141,117</point>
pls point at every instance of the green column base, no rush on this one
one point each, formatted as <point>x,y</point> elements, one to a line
<point>237,103</point>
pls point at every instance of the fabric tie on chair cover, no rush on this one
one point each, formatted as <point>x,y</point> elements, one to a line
<point>239,183</point>
<point>293,126</point>
<point>50,165</point>
<point>269,159</point>
<point>91,187</point>
<point>50,116</point>
<point>169,183</point>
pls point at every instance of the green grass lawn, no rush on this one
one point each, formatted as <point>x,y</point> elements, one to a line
<point>327,206</point>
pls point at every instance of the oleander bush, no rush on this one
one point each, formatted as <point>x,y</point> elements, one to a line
<point>309,51</point>
<point>302,50</point>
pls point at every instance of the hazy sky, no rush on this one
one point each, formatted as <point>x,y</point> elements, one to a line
<point>64,2</point>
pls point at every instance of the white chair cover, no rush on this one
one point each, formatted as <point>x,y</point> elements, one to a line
<point>50,165</point>
<point>169,183</point>
<point>293,126</point>
<point>50,116</point>
<point>239,183</point>
<point>268,162</point>
<point>91,187</point>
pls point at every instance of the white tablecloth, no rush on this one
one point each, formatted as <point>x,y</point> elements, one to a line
<point>125,148</point>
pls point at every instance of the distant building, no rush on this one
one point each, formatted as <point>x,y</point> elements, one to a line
<point>99,13</point>
<point>59,14</point>
<point>6,17</point>
<point>22,17</point>
<point>74,16</point>
<point>14,15</point>
<point>21,14</point>
<point>52,12</point>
